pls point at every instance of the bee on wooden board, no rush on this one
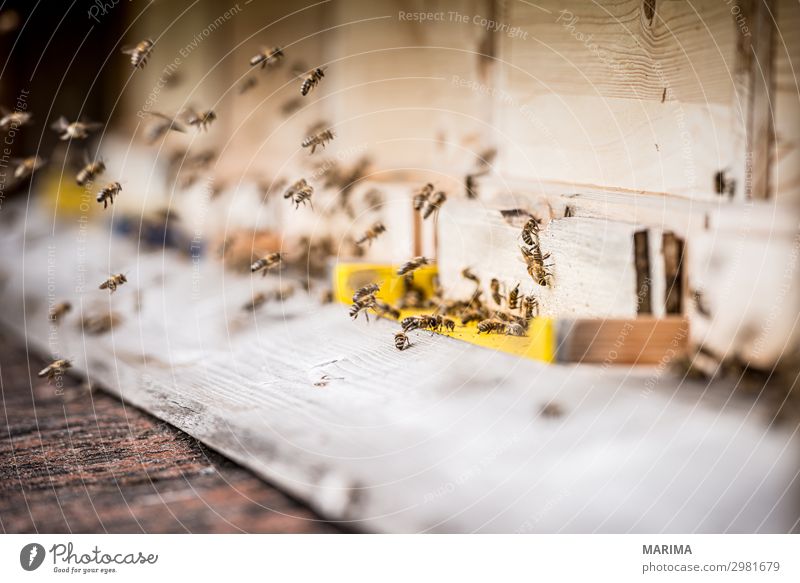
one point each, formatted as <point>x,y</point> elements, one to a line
<point>530,232</point>
<point>530,305</point>
<point>27,166</point>
<point>300,192</point>
<point>411,323</point>
<point>434,203</point>
<point>77,130</point>
<point>14,119</point>
<point>371,234</point>
<point>264,264</point>
<point>90,170</point>
<point>267,57</point>
<point>536,266</point>
<point>422,196</point>
<point>312,80</point>
<point>491,325</point>
<point>412,265</point>
<point>513,298</point>
<point>108,192</point>
<point>320,139</point>
<point>199,119</point>
<point>472,316</point>
<point>59,310</point>
<point>140,53</point>
<point>494,286</point>
<point>401,341</point>
<point>56,368</point>
<point>162,126</point>
<point>114,281</point>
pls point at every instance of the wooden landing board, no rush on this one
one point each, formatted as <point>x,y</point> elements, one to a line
<point>442,437</point>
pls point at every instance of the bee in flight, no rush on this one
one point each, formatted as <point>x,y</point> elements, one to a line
<point>434,203</point>
<point>422,196</point>
<point>90,171</point>
<point>55,368</point>
<point>467,273</point>
<point>199,119</point>
<point>14,119</point>
<point>59,310</point>
<point>312,80</point>
<point>320,139</point>
<point>162,126</point>
<point>113,282</point>
<point>78,130</point>
<point>372,233</point>
<point>108,192</point>
<point>401,341</point>
<point>365,291</point>
<point>247,85</point>
<point>266,263</point>
<point>412,265</point>
<point>27,166</point>
<point>267,57</point>
<point>140,53</point>
<point>300,192</point>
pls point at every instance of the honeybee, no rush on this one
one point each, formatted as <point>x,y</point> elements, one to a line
<point>200,119</point>
<point>283,293</point>
<point>471,316</point>
<point>99,323</point>
<point>267,57</point>
<point>27,166</point>
<point>78,130</point>
<point>448,324</point>
<point>60,310</point>
<point>551,410</point>
<point>165,124</point>
<point>140,53</point>
<point>247,85</point>
<point>362,305</point>
<point>422,196</point>
<point>513,298</point>
<point>412,265</point>
<point>494,286</point>
<point>364,291</point>
<point>300,192</point>
<point>292,105</point>
<point>320,139</point>
<point>385,310</point>
<point>113,282</point>
<point>55,368</point>
<point>515,329</point>
<point>14,119</point>
<point>372,233</point>
<point>536,266</point>
<point>435,202</point>
<point>411,323</point>
<point>530,305</point>
<point>530,231</point>
<point>90,171</point>
<point>466,273</point>
<point>401,341</point>
<point>258,300</point>
<point>266,263</point>
<point>491,325</point>
<point>108,192</point>
<point>312,80</point>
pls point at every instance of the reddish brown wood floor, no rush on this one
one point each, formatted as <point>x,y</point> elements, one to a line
<point>84,462</point>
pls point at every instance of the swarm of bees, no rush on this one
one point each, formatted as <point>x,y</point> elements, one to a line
<point>140,53</point>
<point>318,139</point>
<point>56,368</point>
<point>312,80</point>
<point>300,193</point>
<point>371,234</point>
<point>108,192</point>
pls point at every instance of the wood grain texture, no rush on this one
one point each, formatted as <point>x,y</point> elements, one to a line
<point>83,462</point>
<point>443,437</point>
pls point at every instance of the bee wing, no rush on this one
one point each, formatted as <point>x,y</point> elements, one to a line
<point>174,124</point>
<point>60,124</point>
<point>128,49</point>
<point>92,126</point>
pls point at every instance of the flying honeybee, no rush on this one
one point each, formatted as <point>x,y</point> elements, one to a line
<point>372,233</point>
<point>466,273</point>
<point>365,291</point>
<point>401,341</point>
<point>412,265</point>
<point>537,268</point>
<point>264,264</point>
<point>300,192</point>
<point>385,310</point>
<point>320,139</point>
<point>27,166</point>
<point>422,196</point>
<point>435,202</point>
<point>78,130</point>
<point>199,119</point>
<point>140,53</point>
<point>113,282</point>
<point>108,192</point>
<point>312,80</point>
<point>494,286</point>
<point>247,85</point>
<point>162,126</point>
<point>513,298</point>
<point>99,323</point>
<point>258,300</point>
<point>267,57</point>
<point>90,171</point>
<point>530,231</point>
<point>55,368</point>
<point>59,310</point>
<point>13,119</point>
<point>362,305</point>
